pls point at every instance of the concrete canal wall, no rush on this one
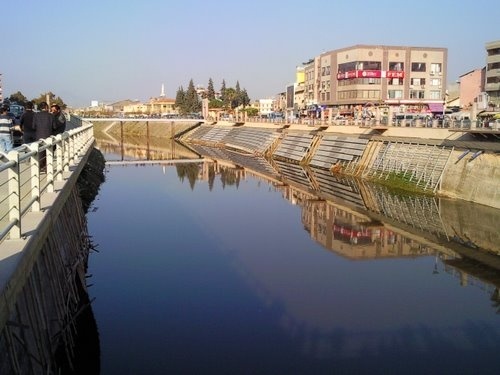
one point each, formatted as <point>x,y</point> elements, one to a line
<point>43,279</point>
<point>458,164</point>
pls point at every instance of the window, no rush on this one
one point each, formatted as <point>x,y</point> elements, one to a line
<point>495,65</point>
<point>417,81</point>
<point>418,67</point>
<point>346,67</point>
<point>395,81</point>
<point>435,81</point>
<point>417,94</point>
<point>435,68</point>
<point>434,94</point>
<point>492,79</point>
<point>494,51</point>
<point>369,65</point>
<point>395,94</point>
<point>398,66</point>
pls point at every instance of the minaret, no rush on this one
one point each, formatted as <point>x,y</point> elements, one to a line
<point>162,94</point>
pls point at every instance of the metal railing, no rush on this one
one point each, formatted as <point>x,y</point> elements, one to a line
<point>29,171</point>
<point>369,122</point>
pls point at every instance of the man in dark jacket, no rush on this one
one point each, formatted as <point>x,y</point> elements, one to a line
<point>43,122</point>
<point>29,133</point>
<point>59,119</point>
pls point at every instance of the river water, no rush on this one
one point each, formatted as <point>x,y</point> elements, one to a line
<point>242,266</point>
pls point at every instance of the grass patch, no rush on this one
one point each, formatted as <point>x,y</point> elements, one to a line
<point>399,182</point>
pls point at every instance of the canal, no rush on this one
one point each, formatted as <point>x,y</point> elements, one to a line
<point>209,268</point>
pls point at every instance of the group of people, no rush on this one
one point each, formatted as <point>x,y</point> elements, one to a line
<point>34,125</point>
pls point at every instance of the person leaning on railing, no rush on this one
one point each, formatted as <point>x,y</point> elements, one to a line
<point>5,129</point>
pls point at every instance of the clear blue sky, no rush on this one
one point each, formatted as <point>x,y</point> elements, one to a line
<point>125,49</point>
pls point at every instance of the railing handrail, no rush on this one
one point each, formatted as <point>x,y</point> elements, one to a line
<point>24,179</point>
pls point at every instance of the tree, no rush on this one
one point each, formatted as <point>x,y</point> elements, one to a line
<point>180,100</point>
<point>223,90</point>
<point>193,104</point>
<point>52,99</point>
<point>210,90</point>
<point>244,99</point>
<point>215,103</point>
<point>18,98</point>
<point>230,98</point>
<point>237,99</point>
<point>251,111</point>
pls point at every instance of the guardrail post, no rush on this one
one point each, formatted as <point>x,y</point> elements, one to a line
<point>58,156</point>
<point>14,191</point>
<point>49,157</point>
<point>34,173</point>
<point>70,143</point>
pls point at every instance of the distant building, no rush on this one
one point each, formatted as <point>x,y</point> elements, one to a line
<point>162,105</point>
<point>265,107</point>
<point>471,86</point>
<point>492,82</point>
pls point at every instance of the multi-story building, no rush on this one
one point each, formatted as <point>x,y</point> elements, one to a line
<point>311,82</point>
<point>492,84</point>
<point>471,86</point>
<point>265,107</point>
<point>404,79</point>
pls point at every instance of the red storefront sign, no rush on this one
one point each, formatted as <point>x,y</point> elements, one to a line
<point>395,74</point>
<point>371,74</point>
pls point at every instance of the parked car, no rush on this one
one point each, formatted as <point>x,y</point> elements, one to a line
<point>494,124</point>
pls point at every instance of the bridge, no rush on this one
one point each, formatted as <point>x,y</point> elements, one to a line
<point>43,250</point>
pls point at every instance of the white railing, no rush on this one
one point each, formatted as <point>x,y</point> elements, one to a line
<point>31,170</point>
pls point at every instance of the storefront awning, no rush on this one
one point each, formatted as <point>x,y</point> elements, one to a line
<point>488,114</point>
<point>436,107</point>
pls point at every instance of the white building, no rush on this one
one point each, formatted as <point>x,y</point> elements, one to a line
<point>265,107</point>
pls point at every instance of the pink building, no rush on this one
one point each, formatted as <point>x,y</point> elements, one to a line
<point>471,85</point>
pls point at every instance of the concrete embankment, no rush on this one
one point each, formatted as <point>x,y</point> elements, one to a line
<point>43,284</point>
<point>473,177</point>
<point>455,163</point>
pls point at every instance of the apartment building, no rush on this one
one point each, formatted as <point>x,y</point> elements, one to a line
<point>471,86</point>
<point>492,84</point>
<point>406,79</point>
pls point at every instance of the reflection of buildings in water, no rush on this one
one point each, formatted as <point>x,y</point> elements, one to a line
<point>355,235</point>
<point>140,148</point>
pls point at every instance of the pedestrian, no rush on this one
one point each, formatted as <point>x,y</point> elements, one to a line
<point>59,119</point>
<point>26,122</point>
<point>43,122</point>
<point>5,129</point>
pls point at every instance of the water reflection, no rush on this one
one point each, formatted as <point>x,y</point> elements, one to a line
<point>348,216</point>
<point>370,302</point>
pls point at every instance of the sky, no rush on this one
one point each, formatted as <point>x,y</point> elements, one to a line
<point>111,50</point>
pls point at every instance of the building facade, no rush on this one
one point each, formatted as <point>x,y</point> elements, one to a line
<point>406,79</point>
<point>492,82</point>
<point>471,86</point>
